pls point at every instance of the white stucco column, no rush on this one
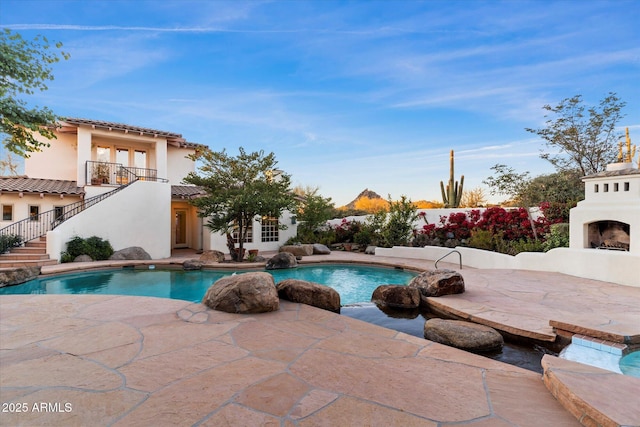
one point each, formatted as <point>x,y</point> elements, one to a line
<point>84,154</point>
<point>161,158</point>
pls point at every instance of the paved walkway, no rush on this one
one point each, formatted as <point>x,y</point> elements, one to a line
<point>116,360</point>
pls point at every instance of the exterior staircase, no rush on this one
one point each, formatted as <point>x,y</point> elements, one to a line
<point>32,254</point>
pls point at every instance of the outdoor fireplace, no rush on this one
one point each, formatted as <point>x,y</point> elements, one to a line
<point>609,216</point>
<point>609,235</point>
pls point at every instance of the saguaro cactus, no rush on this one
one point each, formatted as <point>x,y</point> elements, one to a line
<point>453,194</point>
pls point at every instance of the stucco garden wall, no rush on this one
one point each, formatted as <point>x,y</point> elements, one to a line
<point>139,215</point>
<point>611,266</point>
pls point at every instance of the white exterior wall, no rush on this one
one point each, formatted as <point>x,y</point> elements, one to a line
<point>610,266</point>
<point>179,165</point>
<point>139,215</point>
<point>56,162</point>
<point>218,242</point>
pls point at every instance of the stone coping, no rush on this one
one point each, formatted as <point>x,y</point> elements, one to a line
<point>596,397</point>
<point>614,332</point>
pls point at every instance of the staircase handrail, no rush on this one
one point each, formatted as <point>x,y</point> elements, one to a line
<point>38,225</point>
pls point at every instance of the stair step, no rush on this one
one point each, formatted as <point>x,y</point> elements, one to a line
<point>33,263</point>
<point>28,250</point>
<point>36,244</point>
<point>27,257</point>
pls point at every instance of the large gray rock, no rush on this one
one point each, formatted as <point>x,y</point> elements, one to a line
<point>243,293</point>
<point>297,250</point>
<point>131,253</point>
<point>320,249</point>
<point>192,264</point>
<point>309,293</point>
<point>396,296</point>
<point>209,257</point>
<point>435,283</point>
<point>463,335</point>
<point>83,258</point>
<point>281,260</point>
<point>15,276</point>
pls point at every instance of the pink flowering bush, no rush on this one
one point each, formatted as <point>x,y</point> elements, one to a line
<point>505,229</point>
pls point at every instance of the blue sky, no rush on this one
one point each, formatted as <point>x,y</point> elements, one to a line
<point>347,94</point>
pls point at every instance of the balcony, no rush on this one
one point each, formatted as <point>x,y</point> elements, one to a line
<point>115,174</point>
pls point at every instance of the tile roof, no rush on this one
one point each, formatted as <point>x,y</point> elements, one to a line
<point>120,126</point>
<point>111,126</point>
<point>24,184</point>
<point>186,191</point>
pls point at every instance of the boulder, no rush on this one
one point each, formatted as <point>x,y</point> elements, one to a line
<point>320,249</point>
<point>131,253</point>
<point>281,260</point>
<point>83,258</point>
<point>309,293</point>
<point>209,257</point>
<point>435,283</point>
<point>243,293</point>
<point>192,264</point>
<point>396,296</point>
<point>297,250</point>
<point>15,276</point>
<point>463,335</point>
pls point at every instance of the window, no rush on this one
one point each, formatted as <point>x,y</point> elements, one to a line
<point>103,154</point>
<point>249,237</point>
<point>34,211</point>
<point>122,156</point>
<point>270,229</point>
<point>615,186</point>
<point>626,186</point>
<point>140,159</point>
<point>7,212</point>
<point>596,188</point>
<point>606,188</point>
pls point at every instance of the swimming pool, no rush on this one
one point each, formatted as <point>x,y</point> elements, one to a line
<point>354,283</point>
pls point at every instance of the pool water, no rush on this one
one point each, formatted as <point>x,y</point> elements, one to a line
<point>353,283</point>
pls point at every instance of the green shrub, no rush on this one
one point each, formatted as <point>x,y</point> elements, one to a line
<point>482,239</point>
<point>97,248</point>
<point>558,237</point>
<point>66,257</point>
<point>514,247</point>
<point>8,241</point>
<point>363,237</point>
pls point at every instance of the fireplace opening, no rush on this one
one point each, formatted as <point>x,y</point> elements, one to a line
<point>614,235</point>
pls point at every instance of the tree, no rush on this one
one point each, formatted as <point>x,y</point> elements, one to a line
<point>25,66</point>
<point>559,187</point>
<point>473,198</point>
<point>506,181</point>
<point>586,140</point>
<point>397,229</point>
<point>238,189</point>
<point>313,211</point>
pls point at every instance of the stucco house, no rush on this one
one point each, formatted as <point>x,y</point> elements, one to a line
<point>122,183</point>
